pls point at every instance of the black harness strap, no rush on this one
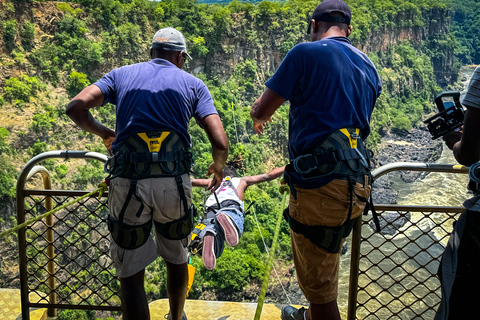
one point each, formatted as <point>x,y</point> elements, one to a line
<point>180,228</point>
<point>325,237</point>
<point>134,160</point>
<point>341,156</point>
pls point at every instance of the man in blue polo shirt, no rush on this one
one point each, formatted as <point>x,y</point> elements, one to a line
<point>155,101</point>
<point>332,88</point>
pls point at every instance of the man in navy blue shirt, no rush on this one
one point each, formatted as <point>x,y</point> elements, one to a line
<point>153,96</point>
<point>331,85</point>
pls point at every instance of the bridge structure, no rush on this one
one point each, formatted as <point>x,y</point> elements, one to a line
<point>64,260</point>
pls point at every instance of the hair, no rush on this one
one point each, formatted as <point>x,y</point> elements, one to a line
<point>158,52</point>
<point>230,172</point>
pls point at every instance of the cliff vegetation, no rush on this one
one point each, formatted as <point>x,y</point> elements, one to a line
<point>49,51</point>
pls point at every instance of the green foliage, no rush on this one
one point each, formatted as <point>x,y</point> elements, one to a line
<point>65,7</point>
<point>69,314</point>
<point>22,88</point>
<point>9,33</point>
<point>466,28</point>
<point>27,34</point>
<point>37,148</point>
<point>254,36</point>
<point>8,173</point>
<point>76,83</point>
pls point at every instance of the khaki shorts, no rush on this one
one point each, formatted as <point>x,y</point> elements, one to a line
<point>162,201</point>
<point>317,269</point>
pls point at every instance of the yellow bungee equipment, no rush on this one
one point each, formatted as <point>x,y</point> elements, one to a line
<point>271,254</point>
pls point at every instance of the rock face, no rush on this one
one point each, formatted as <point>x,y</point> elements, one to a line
<point>416,146</point>
<point>418,30</point>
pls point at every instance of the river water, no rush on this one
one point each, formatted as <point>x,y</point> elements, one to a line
<point>436,189</point>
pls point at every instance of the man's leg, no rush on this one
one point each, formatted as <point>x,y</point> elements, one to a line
<point>134,299</point>
<point>328,311</point>
<point>177,282</point>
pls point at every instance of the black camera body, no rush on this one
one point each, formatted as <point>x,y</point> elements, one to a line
<point>449,117</point>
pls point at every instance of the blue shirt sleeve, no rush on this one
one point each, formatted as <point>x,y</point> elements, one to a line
<point>285,80</point>
<point>107,86</point>
<point>205,106</point>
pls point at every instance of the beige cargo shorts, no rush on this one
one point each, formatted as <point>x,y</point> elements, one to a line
<point>162,203</point>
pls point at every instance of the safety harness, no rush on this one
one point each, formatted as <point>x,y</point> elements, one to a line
<point>150,155</point>
<point>341,156</point>
<point>196,240</point>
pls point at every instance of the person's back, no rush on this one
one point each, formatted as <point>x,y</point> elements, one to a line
<point>332,88</point>
<point>154,95</point>
<point>150,164</point>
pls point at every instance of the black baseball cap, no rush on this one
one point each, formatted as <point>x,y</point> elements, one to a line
<point>323,12</point>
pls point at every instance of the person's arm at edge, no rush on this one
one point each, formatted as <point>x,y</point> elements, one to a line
<point>247,181</point>
<point>273,174</point>
<point>467,150</point>
<point>263,109</point>
<point>218,139</point>
<point>204,183</point>
<point>78,110</point>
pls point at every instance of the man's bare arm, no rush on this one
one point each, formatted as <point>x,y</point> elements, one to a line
<point>78,111</point>
<point>263,109</point>
<point>218,139</point>
<point>467,150</point>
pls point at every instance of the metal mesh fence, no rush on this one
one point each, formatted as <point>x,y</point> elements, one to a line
<point>83,272</point>
<point>399,265</point>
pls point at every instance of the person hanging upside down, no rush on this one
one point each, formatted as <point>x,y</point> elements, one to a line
<point>224,214</point>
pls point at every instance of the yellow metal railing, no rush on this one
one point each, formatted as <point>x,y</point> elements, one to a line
<point>393,272</point>
<point>65,259</point>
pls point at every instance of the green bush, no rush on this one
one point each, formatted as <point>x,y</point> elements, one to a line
<point>22,88</point>
<point>9,33</point>
<point>27,34</point>
<point>76,315</point>
<point>76,83</point>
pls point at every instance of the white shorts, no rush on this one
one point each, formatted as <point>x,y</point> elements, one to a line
<point>162,202</point>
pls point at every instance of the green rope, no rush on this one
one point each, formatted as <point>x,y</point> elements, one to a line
<point>101,188</point>
<point>263,292</point>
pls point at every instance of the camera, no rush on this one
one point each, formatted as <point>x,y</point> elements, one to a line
<point>450,114</point>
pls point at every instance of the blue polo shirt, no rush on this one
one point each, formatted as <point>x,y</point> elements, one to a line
<point>155,95</point>
<point>330,85</point>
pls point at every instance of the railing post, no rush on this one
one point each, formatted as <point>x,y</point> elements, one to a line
<point>27,172</point>
<point>354,266</point>
<point>47,184</point>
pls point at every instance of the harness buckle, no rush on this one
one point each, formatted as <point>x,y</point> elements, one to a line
<point>295,164</point>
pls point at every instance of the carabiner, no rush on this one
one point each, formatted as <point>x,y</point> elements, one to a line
<point>297,169</point>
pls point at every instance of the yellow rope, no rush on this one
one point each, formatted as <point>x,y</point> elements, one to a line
<point>286,191</point>
<point>102,187</point>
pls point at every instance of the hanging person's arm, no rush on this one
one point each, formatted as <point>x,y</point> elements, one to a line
<point>203,183</point>
<point>247,181</point>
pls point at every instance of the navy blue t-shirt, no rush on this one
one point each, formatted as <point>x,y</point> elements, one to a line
<point>155,95</point>
<point>330,85</point>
